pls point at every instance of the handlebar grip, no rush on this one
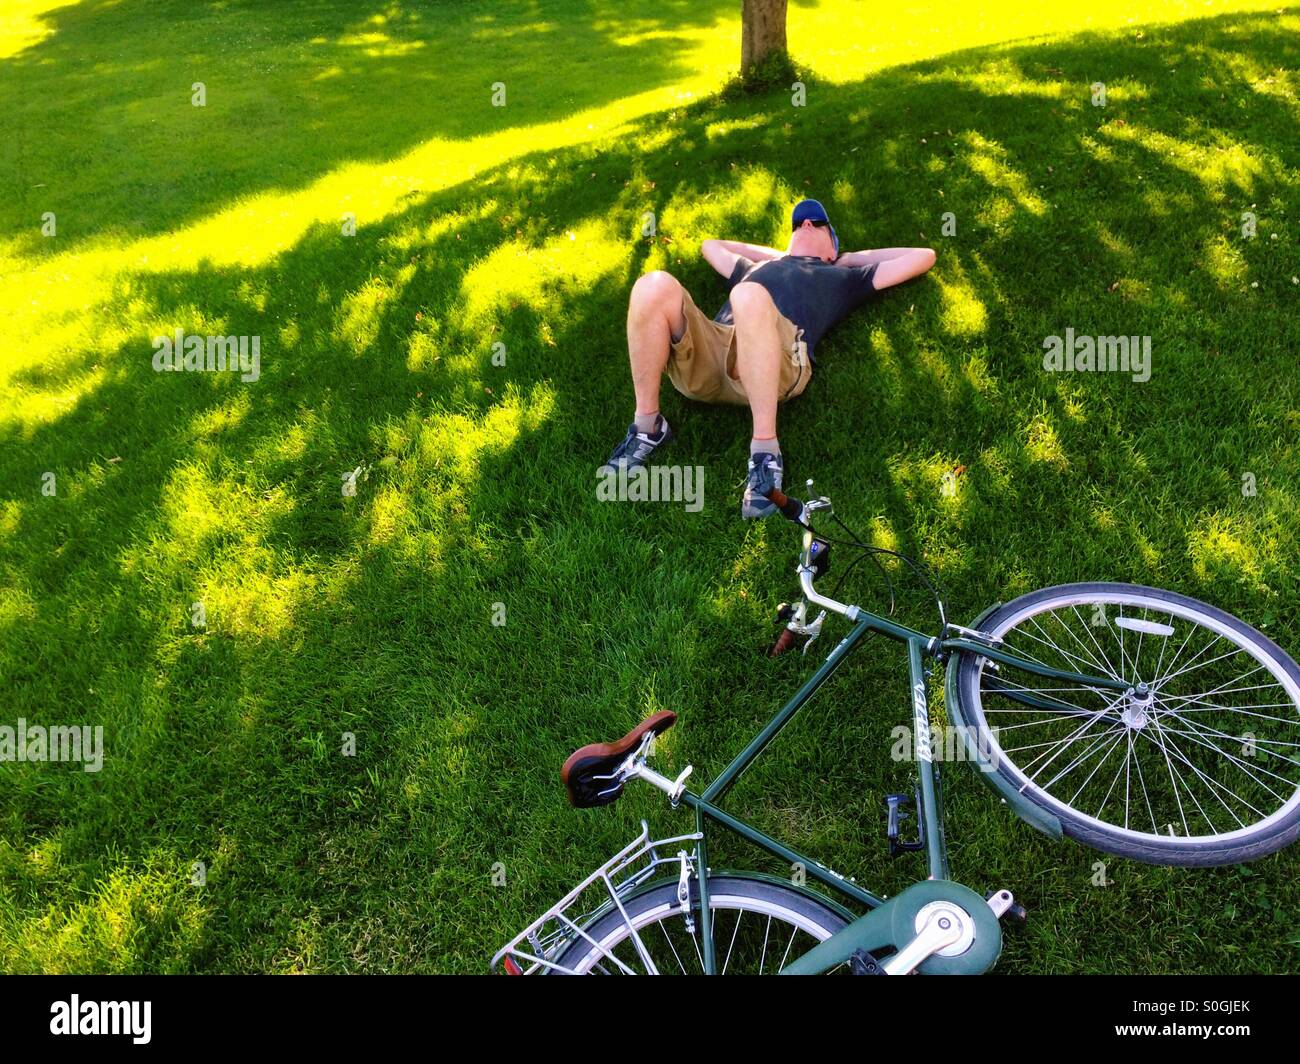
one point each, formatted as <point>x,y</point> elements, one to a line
<point>790,508</point>
<point>783,643</point>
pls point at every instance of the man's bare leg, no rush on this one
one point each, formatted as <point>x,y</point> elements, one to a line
<point>758,354</point>
<point>654,320</point>
<point>758,365</point>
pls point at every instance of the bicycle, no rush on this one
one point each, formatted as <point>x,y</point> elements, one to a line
<point>1062,673</point>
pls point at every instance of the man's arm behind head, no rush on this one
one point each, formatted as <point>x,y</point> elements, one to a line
<point>723,255</point>
<point>893,265</point>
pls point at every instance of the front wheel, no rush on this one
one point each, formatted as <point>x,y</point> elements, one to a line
<point>1198,763</point>
<point>759,926</point>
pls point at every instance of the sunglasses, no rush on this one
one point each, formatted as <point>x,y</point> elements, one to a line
<point>820,223</point>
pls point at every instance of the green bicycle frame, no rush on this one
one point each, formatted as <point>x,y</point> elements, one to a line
<point>919,647</point>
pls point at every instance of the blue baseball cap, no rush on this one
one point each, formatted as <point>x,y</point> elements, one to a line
<point>810,210</point>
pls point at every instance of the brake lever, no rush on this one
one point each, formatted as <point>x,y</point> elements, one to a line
<point>812,631</point>
<point>822,502</point>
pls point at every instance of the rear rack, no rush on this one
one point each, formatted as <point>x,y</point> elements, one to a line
<point>536,947</point>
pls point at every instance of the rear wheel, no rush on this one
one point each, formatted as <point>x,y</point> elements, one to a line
<point>759,926</point>
<point>1197,764</point>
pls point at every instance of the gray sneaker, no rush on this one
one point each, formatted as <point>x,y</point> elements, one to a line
<point>765,473</point>
<point>637,447</point>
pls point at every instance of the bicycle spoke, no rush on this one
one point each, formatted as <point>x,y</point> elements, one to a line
<point>1047,692</point>
<point>1200,736</point>
<point>1123,664</point>
<point>667,938</point>
<point>1036,746</point>
<point>1097,741</point>
<point>1214,786</point>
<point>1070,632</point>
<point>1137,763</point>
<point>1110,790</point>
<point>699,954</point>
<point>1065,743</point>
<point>1104,657</point>
<point>735,931</point>
<point>1093,772</point>
<point>1048,641</point>
<point>794,931</point>
<point>1057,716</point>
<point>1178,716</point>
<point>1190,667</point>
<point>1224,689</point>
<point>1164,645</point>
<point>1191,629</point>
<point>1175,778</point>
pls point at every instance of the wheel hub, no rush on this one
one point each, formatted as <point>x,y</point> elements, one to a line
<point>1138,703</point>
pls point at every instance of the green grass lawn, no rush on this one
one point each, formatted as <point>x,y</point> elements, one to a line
<point>372,614</point>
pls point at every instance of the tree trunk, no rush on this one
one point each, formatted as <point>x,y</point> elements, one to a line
<point>762,32</point>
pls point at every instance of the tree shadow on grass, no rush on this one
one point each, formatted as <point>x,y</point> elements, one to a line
<point>373,614</point>
<point>100,128</point>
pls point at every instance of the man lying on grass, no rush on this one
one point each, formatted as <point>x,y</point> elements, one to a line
<point>758,349</point>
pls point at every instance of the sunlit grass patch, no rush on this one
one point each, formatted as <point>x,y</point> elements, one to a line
<point>150,920</point>
<point>518,272</point>
<point>1042,444</point>
<point>1231,546</point>
<point>23,25</point>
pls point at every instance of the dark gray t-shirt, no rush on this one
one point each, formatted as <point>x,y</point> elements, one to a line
<point>812,293</point>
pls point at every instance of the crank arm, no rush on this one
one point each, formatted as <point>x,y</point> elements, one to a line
<point>939,931</point>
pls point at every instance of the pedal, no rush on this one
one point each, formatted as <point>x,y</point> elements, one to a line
<point>895,815</point>
<point>863,963</point>
<point>1007,909</point>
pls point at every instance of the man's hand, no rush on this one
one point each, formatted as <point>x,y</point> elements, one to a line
<point>723,255</point>
<point>893,265</point>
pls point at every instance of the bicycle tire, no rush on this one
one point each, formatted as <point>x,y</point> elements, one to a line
<point>816,919</point>
<point>1269,835</point>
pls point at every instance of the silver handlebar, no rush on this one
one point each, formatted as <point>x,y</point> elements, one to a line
<point>805,569</point>
<point>814,599</point>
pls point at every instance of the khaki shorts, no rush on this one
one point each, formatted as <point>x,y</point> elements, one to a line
<point>702,364</point>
